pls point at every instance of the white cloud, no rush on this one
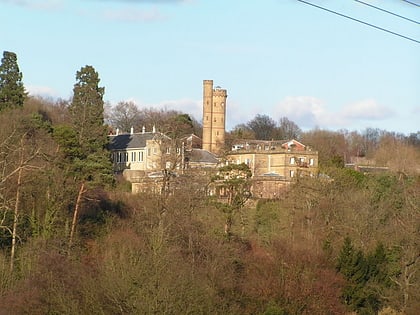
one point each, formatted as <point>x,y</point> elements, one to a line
<point>309,112</point>
<point>416,110</point>
<point>367,109</point>
<point>133,15</point>
<point>36,4</point>
<point>187,106</point>
<point>305,111</point>
<point>151,1</point>
<point>44,91</point>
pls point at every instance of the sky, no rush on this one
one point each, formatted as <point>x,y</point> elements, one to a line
<point>280,58</point>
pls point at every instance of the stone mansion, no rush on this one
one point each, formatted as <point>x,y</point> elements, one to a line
<point>143,156</point>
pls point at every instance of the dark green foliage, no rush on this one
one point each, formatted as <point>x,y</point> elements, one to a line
<point>378,266</point>
<point>87,111</point>
<point>66,137</point>
<point>353,265</point>
<point>367,277</point>
<point>351,262</point>
<point>12,91</point>
<point>263,127</point>
<point>347,178</point>
<point>84,141</point>
<point>388,192</point>
<point>266,215</point>
<point>182,125</point>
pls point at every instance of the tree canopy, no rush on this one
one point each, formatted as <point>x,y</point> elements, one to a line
<point>263,127</point>
<point>12,91</point>
<point>87,111</point>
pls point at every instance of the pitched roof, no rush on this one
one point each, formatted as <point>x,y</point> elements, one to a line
<point>130,141</point>
<point>202,156</point>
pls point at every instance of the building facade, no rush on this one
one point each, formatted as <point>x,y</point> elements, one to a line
<point>276,159</point>
<point>141,152</point>
<point>147,159</point>
<point>274,164</point>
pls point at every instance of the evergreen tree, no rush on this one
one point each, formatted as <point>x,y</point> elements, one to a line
<point>364,275</point>
<point>87,111</point>
<point>12,91</point>
<point>232,181</point>
<point>84,142</point>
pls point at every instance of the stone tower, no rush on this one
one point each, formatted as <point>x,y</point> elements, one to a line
<point>214,117</point>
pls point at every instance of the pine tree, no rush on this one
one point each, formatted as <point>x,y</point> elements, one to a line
<point>87,111</point>
<point>12,91</point>
<point>364,275</point>
<point>84,142</point>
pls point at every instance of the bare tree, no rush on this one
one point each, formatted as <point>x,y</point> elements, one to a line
<point>288,129</point>
<point>263,126</point>
<point>124,116</point>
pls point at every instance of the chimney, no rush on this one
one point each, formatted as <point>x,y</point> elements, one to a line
<point>132,130</point>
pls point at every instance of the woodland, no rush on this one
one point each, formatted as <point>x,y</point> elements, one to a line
<point>75,240</point>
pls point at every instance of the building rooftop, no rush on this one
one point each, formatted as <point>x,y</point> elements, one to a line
<point>130,141</point>
<point>202,156</point>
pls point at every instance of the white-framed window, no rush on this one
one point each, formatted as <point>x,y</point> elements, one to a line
<point>126,157</point>
<point>141,156</point>
<point>292,173</point>
<point>168,165</point>
<point>168,150</point>
<point>154,150</point>
<point>133,156</point>
<point>149,152</point>
<point>248,162</point>
<point>292,160</point>
<point>311,162</point>
<point>301,159</point>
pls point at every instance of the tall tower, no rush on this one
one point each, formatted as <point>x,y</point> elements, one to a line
<point>214,117</point>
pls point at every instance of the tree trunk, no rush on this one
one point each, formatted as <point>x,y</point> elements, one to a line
<point>15,219</point>
<point>82,190</point>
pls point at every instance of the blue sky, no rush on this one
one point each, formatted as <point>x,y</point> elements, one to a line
<point>280,58</point>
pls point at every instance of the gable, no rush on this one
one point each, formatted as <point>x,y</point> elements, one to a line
<point>293,144</point>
